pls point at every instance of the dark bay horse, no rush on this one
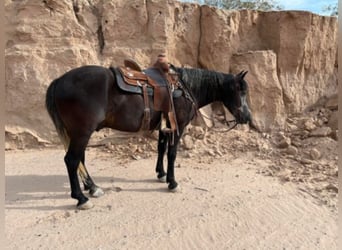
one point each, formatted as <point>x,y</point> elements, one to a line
<point>87,99</point>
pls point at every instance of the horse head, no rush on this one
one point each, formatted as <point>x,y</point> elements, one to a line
<point>235,98</point>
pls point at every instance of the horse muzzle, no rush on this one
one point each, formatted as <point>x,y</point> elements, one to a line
<point>243,115</point>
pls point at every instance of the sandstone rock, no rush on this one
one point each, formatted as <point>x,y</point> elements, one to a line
<point>290,127</point>
<point>301,89</point>
<point>210,152</point>
<point>315,154</point>
<point>288,70</point>
<point>218,152</point>
<point>281,140</point>
<point>305,161</point>
<point>333,120</point>
<point>284,143</point>
<point>332,102</point>
<point>265,92</point>
<point>334,135</point>
<point>292,150</point>
<point>321,132</point>
<point>204,118</point>
<point>21,138</point>
<point>197,132</point>
<point>309,124</point>
<point>332,187</point>
<point>188,142</point>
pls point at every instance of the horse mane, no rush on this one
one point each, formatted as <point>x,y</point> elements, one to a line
<point>202,82</point>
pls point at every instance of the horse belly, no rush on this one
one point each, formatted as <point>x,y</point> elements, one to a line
<point>127,113</point>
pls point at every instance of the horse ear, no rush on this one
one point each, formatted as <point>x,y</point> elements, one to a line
<point>242,74</point>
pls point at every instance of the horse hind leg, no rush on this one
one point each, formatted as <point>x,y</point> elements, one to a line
<point>94,190</point>
<point>72,160</point>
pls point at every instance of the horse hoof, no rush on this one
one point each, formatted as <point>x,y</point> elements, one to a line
<point>97,192</point>
<point>173,188</point>
<point>85,206</point>
<point>162,179</point>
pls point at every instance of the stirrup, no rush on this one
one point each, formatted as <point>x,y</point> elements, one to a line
<point>163,126</point>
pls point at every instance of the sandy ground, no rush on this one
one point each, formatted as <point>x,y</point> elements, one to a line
<point>223,204</point>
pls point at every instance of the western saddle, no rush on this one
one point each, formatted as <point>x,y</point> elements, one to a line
<point>159,81</point>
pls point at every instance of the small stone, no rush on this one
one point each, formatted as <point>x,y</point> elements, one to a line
<point>321,132</point>
<point>109,145</point>
<point>332,187</point>
<point>309,124</point>
<point>198,132</point>
<point>136,157</point>
<point>134,148</point>
<point>218,152</point>
<point>188,142</point>
<point>264,147</point>
<point>292,150</point>
<point>305,161</point>
<point>211,152</point>
<point>285,178</point>
<point>291,127</point>
<point>265,135</point>
<point>284,142</point>
<point>188,155</point>
<point>315,154</point>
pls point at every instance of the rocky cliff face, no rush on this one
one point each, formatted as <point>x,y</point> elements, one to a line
<point>291,56</point>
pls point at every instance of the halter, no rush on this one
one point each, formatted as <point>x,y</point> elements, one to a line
<point>239,108</point>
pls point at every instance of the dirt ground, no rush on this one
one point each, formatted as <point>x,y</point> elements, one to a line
<point>238,190</point>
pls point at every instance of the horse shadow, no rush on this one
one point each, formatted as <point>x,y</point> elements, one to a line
<point>26,188</point>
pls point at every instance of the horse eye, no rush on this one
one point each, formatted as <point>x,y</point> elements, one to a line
<point>238,87</point>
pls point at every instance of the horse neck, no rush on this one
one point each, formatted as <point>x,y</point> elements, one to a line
<point>205,85</point>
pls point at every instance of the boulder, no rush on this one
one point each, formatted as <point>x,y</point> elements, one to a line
<point>332,102</point>
<point>333,120</point>
<point>265,96</point>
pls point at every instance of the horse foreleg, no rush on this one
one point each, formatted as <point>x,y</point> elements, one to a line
<point>162,143</point>
<point>94,190</point>
<point>171,157</point>
<point>72,160</point>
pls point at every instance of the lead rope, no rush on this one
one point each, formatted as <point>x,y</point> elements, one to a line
<point>227,123</point>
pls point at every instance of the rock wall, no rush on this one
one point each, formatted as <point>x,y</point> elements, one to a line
<point>291,56</point>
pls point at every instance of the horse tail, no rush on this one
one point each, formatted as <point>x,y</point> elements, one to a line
<point>50,104</point>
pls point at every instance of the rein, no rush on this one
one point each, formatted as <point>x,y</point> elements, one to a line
<point>227,122</point>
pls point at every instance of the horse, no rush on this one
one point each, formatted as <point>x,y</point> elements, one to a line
<point>87,99</point>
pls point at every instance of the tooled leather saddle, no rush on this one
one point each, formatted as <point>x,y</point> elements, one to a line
<point>162,86</point>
